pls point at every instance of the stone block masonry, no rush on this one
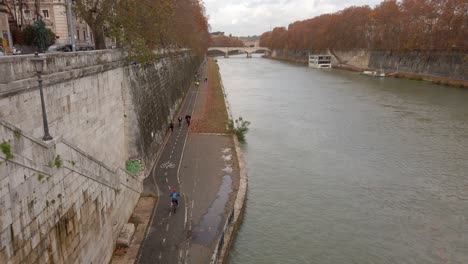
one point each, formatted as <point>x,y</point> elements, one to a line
<point>153,93</point>
<point>83,100</point>
<point>58,204</point>
<point>65,201</point>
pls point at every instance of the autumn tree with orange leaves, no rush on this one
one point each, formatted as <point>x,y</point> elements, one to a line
<point>225,41</point>
<point>392,25</point>
<point>143,26</point>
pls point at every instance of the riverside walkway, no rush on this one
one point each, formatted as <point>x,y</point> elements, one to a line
<point>200,167</point>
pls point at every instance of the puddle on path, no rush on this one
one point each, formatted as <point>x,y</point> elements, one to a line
<point>227,169</point>
<point>206,231</point>
<point>227,157</point>
<point>226,150</point>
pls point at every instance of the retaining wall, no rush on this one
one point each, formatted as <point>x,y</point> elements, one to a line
<point>102,110</point>
<point>443,64</point>
<point>451,65</point>
<point>58,204</point>
<point>83,100</point>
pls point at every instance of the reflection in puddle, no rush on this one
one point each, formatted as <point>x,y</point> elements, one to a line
<point>205,232</point>
<point>227,169</point>
<point>226,150</point>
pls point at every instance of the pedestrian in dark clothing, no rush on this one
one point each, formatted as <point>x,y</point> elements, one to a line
<point>206,79</point>
<point>188,119</point>
<point>171,126</point>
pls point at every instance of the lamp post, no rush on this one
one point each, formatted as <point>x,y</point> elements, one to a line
<point>39,66</point>
<point>71,25</point>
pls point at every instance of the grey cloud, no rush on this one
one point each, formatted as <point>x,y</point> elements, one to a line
<point>253,17</point>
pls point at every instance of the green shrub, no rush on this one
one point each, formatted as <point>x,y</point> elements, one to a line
<point>39,36</point>
<point>239,127</point>
<point>133,166</point>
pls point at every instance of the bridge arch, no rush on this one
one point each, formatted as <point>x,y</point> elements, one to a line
<point>247,50</point>
<point>217,49</point>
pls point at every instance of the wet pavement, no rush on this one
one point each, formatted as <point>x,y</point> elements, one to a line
<point>206,230</point>
<point>210,188</point>
<point>200,167</point>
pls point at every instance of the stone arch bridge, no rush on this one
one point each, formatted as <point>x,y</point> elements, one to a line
<point>247,50</point>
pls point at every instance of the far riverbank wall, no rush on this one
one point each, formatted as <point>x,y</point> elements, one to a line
<point>441,67</point>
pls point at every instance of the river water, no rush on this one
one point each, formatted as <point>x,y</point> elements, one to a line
<point>345,168</point>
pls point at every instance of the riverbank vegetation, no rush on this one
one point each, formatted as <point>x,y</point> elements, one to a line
<point>392,25</point>
<point>239,128</point>
<point>215,116</point>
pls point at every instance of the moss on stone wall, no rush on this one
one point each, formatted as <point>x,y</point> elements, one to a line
<point>156,90</point>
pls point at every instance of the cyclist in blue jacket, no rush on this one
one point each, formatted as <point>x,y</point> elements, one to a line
<point>175,197</point>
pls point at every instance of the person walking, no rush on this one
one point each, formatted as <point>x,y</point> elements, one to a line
<point>188,118</point>
<point>171,126</point>
<point>180,120</point>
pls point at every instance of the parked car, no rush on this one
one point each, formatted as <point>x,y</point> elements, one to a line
<point>84,48</point>
<point>68,48</point>
<point>16,51</point>
<point>60,48</point>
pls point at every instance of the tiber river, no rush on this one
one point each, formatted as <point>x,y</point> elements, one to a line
<point>345,168</point>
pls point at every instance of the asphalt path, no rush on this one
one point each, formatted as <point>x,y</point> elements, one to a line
<point>166,236</point>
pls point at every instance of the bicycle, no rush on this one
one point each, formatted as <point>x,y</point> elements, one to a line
<point>174,206</point>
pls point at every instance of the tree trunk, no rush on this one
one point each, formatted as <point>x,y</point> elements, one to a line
<point>37,10</point>
<point>99,39</point>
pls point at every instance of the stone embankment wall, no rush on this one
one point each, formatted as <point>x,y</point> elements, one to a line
<point>154,92</point>
<point>58,204</point>
<point>451,65</point>
<point>299,56</point>
<point>83,100</point>
<point>65,201</point>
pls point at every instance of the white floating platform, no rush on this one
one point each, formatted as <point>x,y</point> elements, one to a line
<point>320,61</point>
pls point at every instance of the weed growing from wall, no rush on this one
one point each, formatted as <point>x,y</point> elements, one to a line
<point>133,166</point>
<point>17,133</point>
<point>40,177</point>
<point>58,162</point>
<point>6,149</point>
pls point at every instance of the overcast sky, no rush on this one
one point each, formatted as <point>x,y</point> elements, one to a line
<point>253,17</point>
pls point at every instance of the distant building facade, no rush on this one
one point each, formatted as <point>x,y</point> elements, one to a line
<point>5,34</point>
<point>55,16</point>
